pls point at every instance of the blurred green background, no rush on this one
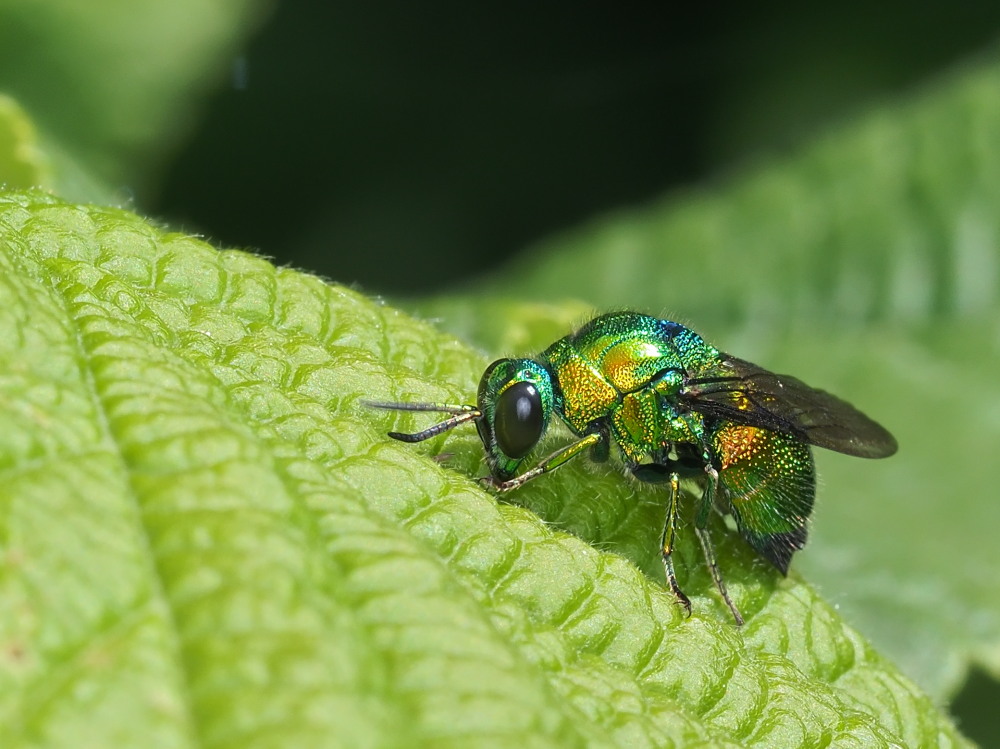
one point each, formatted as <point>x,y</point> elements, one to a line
<point>407,146</point>
<point>410,149</point>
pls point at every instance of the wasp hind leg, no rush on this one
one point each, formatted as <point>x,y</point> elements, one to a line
<point>701,528</point>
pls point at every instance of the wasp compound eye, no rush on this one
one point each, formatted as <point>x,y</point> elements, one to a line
<point>519,420</point>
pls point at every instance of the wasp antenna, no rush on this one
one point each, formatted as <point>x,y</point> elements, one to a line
<point>461,414</point>
<point>446,408</point>
<point>435,430</point>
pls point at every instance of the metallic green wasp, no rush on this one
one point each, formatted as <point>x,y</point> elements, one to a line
<point>676,407</point>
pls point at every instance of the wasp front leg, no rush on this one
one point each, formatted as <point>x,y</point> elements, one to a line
<point>667,542</point>
<point>553,461</point>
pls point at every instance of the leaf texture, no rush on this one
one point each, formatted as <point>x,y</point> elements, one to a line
<point>205,541</point>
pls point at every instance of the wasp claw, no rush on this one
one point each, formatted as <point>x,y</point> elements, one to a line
<point>684,601</point>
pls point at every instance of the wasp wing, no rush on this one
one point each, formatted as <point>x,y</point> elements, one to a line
<point>743,393</point>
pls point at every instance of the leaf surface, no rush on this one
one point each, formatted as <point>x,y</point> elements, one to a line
<point>205,540</point>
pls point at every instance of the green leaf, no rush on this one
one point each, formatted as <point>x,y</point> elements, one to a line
<point>112,86</point>
<point>868,264</point>
<point>22,162</point>
<point>206,540</point>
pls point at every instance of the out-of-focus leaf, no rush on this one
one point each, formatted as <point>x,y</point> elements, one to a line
<point>22,162</point>
<point>111,86</point>
<point>893,218</point>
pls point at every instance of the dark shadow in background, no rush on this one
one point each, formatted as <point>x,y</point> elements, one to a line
<point>405,146</point>
<point>975,709</point>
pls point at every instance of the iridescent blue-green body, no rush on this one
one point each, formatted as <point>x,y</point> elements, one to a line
<point>675,407</point>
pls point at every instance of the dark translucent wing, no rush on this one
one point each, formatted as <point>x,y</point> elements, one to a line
<point>743,393</point>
